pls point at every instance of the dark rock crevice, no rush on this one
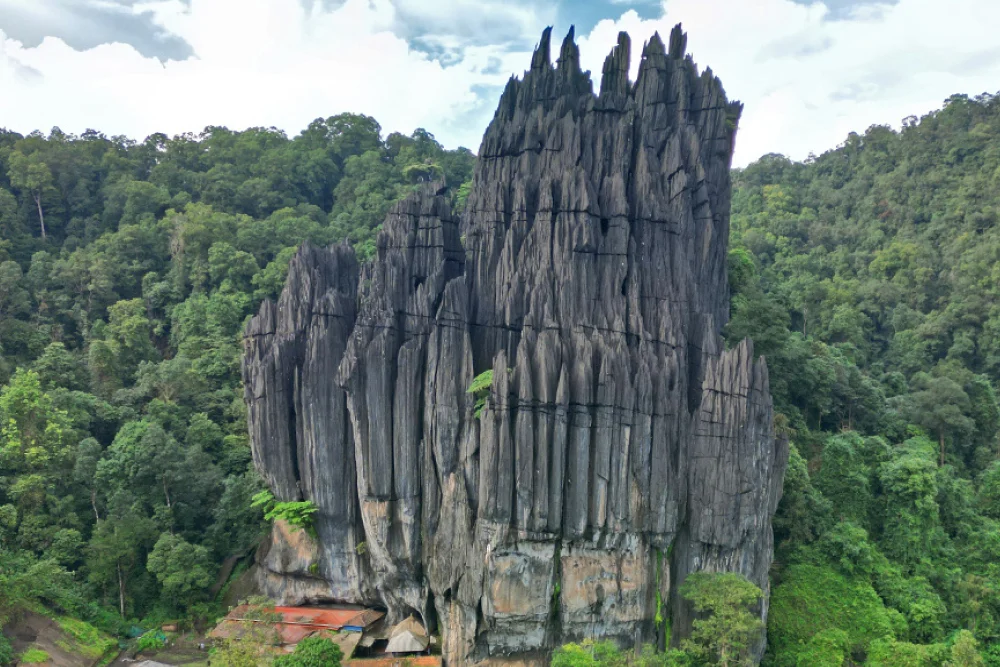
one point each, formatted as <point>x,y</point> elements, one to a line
<point>617,427</point>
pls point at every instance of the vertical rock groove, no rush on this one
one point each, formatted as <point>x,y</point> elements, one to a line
<point>593,283</point>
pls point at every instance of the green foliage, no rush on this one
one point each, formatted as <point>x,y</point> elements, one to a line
<point>828,648</point>
<point>34,656</point>
<point>964,652</point>
<point>26,581</point>
<point>865,277</point>
<point>591,653</point>
<point>127,272</point>
<point>891,653</point>
<point>184,570</point>
<point>296,513</point>
<point>726,627</point>
<point>154,640</point>
<point>480,390</point>
<point>6,651</point>
<point>312,652</point>
<point>588,654</point>
<point>811,600</point>
<point>87,640</point>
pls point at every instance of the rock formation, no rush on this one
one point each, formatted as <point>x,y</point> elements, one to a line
<point>620,448</point>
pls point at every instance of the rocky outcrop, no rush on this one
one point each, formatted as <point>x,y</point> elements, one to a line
<point>620,447</point>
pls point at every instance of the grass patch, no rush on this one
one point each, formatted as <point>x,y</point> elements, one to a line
<point>34,656</point>
<point>90,642</point>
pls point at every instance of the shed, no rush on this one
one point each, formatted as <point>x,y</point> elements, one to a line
<point>409,636</point>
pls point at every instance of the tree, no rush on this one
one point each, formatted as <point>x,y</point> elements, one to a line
<point>116,549</point>
<point>844,478</point>
<point>910,490</point>
<point>251,646</point>
<point>35,442</point>
<point>941,406</point>
<point>964,652</point>
<point>730,629</point>
<point>184,570</point>
<point>828,648</point>
<point>32,176</point>
<point>58,367</point>
<point>813,599</point>
<point>589,653</point>
<point>312,652</point>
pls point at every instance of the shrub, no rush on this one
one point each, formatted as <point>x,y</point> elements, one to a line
<point>34,656</point>
<point>312,652</point>
<point>480,389</point>
<point>298,514</point>
<point>6,651</point>
<point>154,640</point>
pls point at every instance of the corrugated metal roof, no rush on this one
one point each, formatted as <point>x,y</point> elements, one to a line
<point>408,661</point>
<point>297,623</point>
<point>333,619</point>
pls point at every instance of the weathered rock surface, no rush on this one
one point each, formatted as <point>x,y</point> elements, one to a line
<point>621,447</point>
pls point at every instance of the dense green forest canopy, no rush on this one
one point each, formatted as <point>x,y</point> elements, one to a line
<point>869,277</point>
<point>127,271</point>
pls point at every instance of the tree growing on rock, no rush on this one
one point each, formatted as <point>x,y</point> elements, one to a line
<point>729,628</point>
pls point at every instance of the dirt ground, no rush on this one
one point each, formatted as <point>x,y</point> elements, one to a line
<point>183,650</point>
<point>33,630</point>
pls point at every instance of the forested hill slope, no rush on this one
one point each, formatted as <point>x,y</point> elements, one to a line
<point>887,249</point>
<point>869,277</point>
<point>126,273</point>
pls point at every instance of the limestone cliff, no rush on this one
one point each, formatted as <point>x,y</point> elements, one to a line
<point>620,447</point>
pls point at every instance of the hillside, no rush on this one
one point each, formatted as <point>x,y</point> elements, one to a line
<point>869,277</point>
<point>127,270</point>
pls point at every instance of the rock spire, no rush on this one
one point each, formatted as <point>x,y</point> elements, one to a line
<point>620,448</point>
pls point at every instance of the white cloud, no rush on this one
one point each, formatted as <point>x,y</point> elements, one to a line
<point>258,62</point>
<point>807,82</point>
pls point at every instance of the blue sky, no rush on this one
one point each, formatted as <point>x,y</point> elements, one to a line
<point>808,71</point>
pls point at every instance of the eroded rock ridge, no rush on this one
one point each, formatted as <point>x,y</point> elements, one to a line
<point>621,447</point>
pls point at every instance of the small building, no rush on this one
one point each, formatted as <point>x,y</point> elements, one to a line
<point>343,625</point>
<point>409,636</point>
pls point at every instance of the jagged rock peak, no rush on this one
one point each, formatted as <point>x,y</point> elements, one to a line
<point>678,41</point>
<point>614,78</point>
<point>540,59</point>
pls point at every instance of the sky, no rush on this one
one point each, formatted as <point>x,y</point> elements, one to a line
<point>808,71</point>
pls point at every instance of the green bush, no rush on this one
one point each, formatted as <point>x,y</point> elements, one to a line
<point>34,656</point>
<point>298,514</point>
<point>154,640</point>
<point>891,653</point>
<point>480,389</point>
<point>6,651</point>
<point>312,652</point>
<point>812,599</point>
<point>826,649</point>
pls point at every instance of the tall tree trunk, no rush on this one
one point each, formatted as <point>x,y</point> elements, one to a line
<point>93,503</point>
<point>121,590</point>
<point>41,216</point>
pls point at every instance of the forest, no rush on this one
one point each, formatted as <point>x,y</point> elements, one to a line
<point>869,278</point>
<point>127,271</point>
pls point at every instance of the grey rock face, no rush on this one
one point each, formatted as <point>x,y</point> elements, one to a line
<point>620,449</point>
